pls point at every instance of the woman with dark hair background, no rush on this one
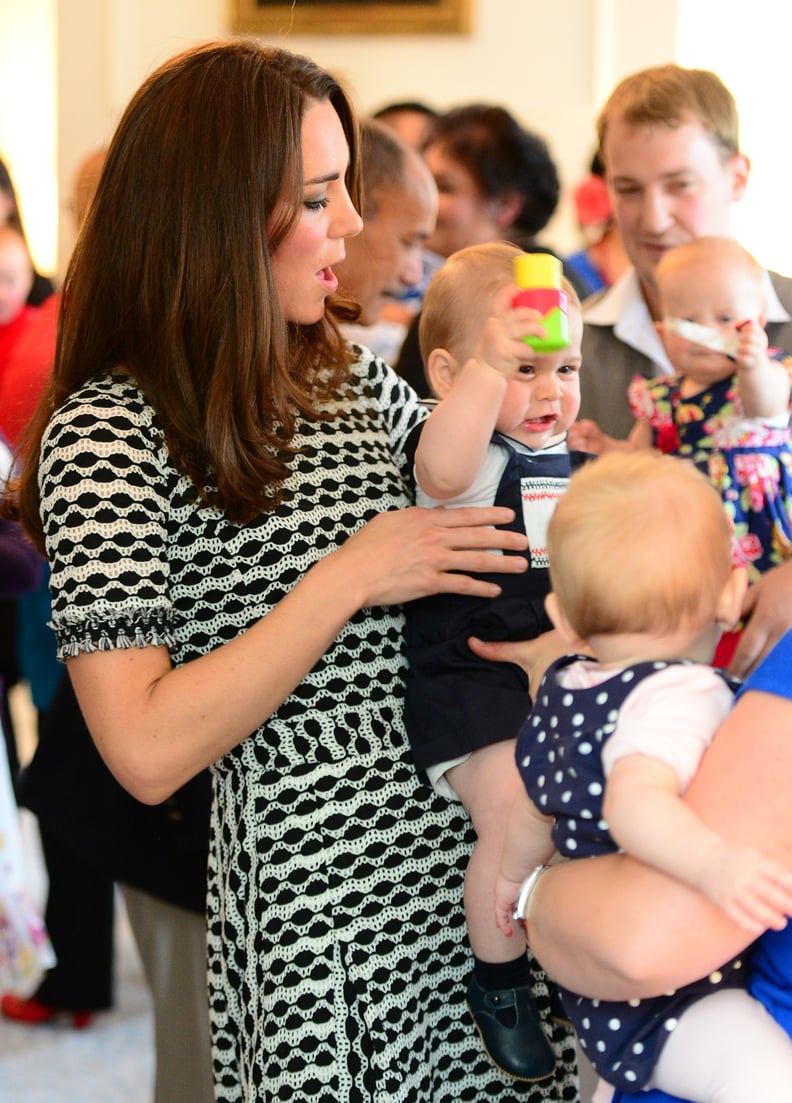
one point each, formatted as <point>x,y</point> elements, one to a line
<point>41,289</point>
<point>497,181</point>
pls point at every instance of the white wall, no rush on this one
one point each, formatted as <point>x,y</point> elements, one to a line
<point>552,64</point>
<point>749,49</point>
<point>27,118</point>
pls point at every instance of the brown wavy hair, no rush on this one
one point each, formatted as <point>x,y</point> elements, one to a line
<point>171,279</point>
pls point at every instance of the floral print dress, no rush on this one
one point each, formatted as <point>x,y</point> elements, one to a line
<point>748,460</point>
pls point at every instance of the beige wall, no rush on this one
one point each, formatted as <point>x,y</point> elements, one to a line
<point>550,63</point>
<point>67,68</point>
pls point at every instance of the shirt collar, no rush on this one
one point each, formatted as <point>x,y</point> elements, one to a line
<point>624,308</point>
<point>560,448</point>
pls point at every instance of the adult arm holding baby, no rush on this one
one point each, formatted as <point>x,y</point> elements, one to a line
<point>645,931</point>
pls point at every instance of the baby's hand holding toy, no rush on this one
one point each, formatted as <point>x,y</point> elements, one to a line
<point>502,341</point>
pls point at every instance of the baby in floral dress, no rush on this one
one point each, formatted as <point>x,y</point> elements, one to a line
<point>726,407</point>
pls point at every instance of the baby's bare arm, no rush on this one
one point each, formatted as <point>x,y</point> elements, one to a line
<point>454,440</point>
<point>648,819</point>
<point>455,437</point>
<point>764,383</point>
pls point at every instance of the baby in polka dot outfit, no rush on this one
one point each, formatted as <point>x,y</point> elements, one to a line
<point>640,563</point>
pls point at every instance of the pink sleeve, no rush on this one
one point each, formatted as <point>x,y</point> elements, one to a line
<point>672,716</point>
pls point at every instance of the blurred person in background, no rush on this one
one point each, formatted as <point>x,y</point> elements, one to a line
<point>386,259</point>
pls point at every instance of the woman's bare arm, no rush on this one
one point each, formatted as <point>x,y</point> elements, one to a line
<point>156,726</point>
<point>611,928</point>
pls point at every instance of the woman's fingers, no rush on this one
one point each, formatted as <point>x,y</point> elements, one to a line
<point>406,554</point>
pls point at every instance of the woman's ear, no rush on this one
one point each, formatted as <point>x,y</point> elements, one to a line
<point>441,371</point>
<point>507,209</point>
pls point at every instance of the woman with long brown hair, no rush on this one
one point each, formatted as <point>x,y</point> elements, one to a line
<point>219,483</point>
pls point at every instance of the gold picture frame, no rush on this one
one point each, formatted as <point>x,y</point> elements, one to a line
<point>356,17</point>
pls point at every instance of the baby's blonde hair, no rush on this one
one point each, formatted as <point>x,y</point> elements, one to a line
<point>719,253</point>
<point>459,297</point>
<point>639,543</point>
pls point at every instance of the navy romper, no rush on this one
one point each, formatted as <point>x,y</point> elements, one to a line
<point>457,702</point>
<point>559,756</point>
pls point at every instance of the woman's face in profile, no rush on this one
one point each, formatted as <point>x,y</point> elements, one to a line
<point>303,263</point>
<point>465,215</point>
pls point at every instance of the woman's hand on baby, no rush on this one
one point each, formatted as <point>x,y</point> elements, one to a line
<point>753,890</point>
<point>532,656</point>
<point>768,607</point>
<point>411,553</point>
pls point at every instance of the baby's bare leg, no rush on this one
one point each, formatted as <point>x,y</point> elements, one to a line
<point>486,783</point>
<point>499,995</point>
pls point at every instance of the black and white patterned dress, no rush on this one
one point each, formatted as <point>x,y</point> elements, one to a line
<point>337,948</point>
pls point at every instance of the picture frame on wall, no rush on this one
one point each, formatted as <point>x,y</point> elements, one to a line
<point>353,17</point>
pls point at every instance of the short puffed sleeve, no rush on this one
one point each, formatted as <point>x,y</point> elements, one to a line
<point>104,482</point>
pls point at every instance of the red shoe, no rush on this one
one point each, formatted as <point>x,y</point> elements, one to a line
<point>32,1011</point>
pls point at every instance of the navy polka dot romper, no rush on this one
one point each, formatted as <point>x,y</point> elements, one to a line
<point>559,758</point>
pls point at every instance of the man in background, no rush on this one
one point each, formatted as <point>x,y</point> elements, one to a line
<point>669,141</point>
<point>386,257</point>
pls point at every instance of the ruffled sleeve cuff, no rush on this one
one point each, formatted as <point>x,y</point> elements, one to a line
<point>119,628</point>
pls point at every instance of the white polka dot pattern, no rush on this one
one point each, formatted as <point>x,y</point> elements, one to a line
<point>559,758</point>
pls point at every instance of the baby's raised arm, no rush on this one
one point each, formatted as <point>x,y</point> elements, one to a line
<point>764,383</point>
<point>455,437</point>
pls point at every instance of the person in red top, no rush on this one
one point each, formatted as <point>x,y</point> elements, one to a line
<point>26,366</point>
<point>27,335</point>
<point>16,279</point>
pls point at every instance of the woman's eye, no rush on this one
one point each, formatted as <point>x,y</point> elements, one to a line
<point>315,204</point>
